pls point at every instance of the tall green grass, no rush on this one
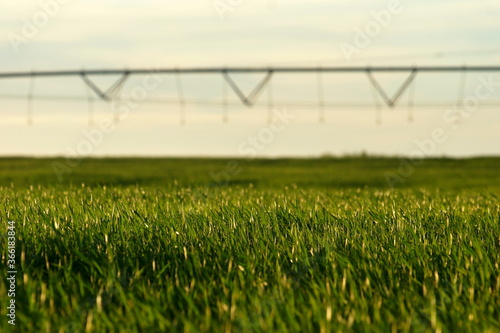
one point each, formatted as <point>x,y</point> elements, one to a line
<point>262,256</point>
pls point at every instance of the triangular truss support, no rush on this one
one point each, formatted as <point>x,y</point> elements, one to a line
<point>111,91</point>
<point>254,95</point>
<point>391,102</point>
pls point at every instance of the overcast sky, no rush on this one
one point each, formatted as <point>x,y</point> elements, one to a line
<point>91,34</point>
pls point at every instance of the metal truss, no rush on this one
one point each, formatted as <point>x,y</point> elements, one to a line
<point>249,100</point>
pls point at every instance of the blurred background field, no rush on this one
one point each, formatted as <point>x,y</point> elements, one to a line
<point>347,172</point>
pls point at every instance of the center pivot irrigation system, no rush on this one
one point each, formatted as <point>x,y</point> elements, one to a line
<point>111,94</point>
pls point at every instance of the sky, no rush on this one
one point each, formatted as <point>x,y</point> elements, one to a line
<point>147,119</point>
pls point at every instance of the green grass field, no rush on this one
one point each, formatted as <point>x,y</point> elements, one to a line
<point>288,245</point>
